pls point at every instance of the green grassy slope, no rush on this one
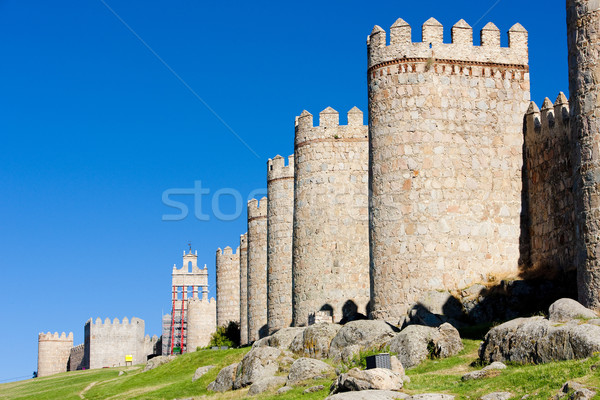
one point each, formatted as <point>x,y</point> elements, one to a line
<point>174,380</point>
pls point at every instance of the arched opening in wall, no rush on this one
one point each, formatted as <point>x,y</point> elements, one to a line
<point>190,292</point>
<point>189,267</point>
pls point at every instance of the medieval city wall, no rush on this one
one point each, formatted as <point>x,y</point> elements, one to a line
<point>244,289</point>
<point>583,39</point>
<point>107,343</point>
<point>228,286</point>
<point>77,359</point>
<point>446,156</point>
<point>280,212</point>
<point>330,230</point>
<point>549,183</point>
<point>201,322</point>
<point>53,352</point>
<point>257,269</point>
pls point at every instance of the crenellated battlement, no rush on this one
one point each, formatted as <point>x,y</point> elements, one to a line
<point>227,251</point>
<point>551,120</point>
<point>115,322</point>
<point>257,209</point>
<point>277,168</point>
<point>244,241</point>
<point>55,336</point>
<point>433,49</point>
<point>329,127</point>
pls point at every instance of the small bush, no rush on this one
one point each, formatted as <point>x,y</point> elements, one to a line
<point>226,335</point>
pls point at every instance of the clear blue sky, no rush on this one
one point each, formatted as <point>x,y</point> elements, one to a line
<point>94,128</point>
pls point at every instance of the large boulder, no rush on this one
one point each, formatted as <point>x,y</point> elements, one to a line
<point>416,343</point>
<point>257,364</point>
<point>307,368</point>
<point>537,340</point>
<point>387,395</point>
<point>360,335</point>
<point>268,383</point>
<point>282,339</point>
<point>224,380</point>
<point>369,379</point>
<point>496,396</point>
<point>201,371</point>
<point>315,340</point>
<point>157,361</point>
<point>564,310</point>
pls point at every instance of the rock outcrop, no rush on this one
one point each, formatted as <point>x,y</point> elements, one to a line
<point>370,379</point>
<point>307,368</point>
<point>268,383</point>
<point>315,340</point>
<point>360,335</point>
<point>201,371</point>
<point>258,363</point>
<point>417,342</point>
<point>224,380</point>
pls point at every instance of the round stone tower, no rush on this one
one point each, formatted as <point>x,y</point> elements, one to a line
<point>228,286</point>
<point>257,269</point>
<point>445,126</point>
<point>583,37</point>
<point>53,353</point>
<point>280,219</point>
<point>330,250</point>
<point>244,289</point>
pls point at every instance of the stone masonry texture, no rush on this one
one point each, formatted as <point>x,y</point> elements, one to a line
<point>583,38</point>
<point>257,269</point>
<point>330,235</point>
<point>548,182</point>
<point>445,126</point>
<point>53,353</point>
<point>244,289</point>
<point>228,286</point>
<point>280,211</point>
<point>107,343</point>
<point>201,322</point>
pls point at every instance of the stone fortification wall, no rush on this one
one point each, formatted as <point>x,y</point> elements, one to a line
<point>228,286</point>
<point>201,322</point>
<point>280,212</point>
<point>549,183</point>
<point>244,289</point>
<point>330,232</point>
<point>53,352</point>
<point>77,359</point>
<point>583,38</point>
<point>107,343</point>
<point>445,126</point>
<point>257,269</point>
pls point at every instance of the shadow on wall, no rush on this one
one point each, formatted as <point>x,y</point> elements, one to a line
<point>486,304</point>
<point>350,312</point>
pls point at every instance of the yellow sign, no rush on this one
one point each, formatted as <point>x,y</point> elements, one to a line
<point>128,357</point>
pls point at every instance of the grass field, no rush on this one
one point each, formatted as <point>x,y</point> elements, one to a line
<point>174,380</point>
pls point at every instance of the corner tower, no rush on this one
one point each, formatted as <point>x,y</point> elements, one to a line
<point>583,38</point>
<point>330,249</point>
<point>53,353</point>
<point>280,219</point>
<point>445,126</point>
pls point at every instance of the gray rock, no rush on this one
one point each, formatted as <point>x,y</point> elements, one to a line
<point>576,391</point>
<point>258,363</point>
<point>360,335</point>
<point>283,338</point>
<point>370,379</point>
<point>157,361</point>
<point>307,368</point>
<point>315,340</point>
<point>284,389</point>
<point>224,380</point>
<point>431,396</point>
<point>396,365</point>
<point>313,389</point>
<point>564,310</point>
<point>201,371</point>
<point>121,373</point>
<point>369,395</point>
<point>536,340</point>
<point>497,396</point>
<point>486,372</point>
<point>264,384</point>
<point>417,342</point>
